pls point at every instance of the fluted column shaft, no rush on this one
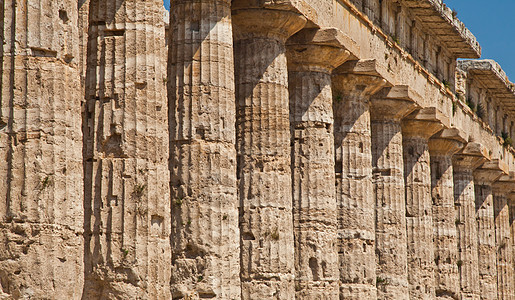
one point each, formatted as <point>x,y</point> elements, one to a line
<point>486,238</point>
<point>505,272</point>
<point>447,280</point>
<point>391,240</point>
<point>388,182</point>
<point>354,189</point>
<point>314,204</point>
<point>511,204</point>
<point>467,227</point>
<point>419,218</point>
<point>416,131</point>
<point>205,234</point>
<point>83,24</point>
<point>41,173</point>
<point>127,211</point>
<point>263,149</point>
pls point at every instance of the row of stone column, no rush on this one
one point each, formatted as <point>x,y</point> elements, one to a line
<point>292,173</point>
<point>93,223</point>
<point>300,126</point>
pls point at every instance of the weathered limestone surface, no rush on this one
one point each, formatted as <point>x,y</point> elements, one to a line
<point>417,128</point>
<point>263,149</point>
<point>388,107</point>
<point>263,176</point>
<point>505,272</point>
<point>83,24</point>
<point>354,189</point>
<point>312,55</point>
<point>511,209</point>
<point>127,219</point>
<point>442,146</point>
<point>205,234</point>
<point>464,163</point>
<point>484,177</point>
<point>41,192</point>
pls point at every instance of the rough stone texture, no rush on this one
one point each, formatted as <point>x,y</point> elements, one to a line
<point>83,24</point>
<point>388,180</point>
<point>464,163</point>
<point>354,189</point>
<point>505,272</point>
<point>511,203</point>
<point>486,240</point>
<point>484,176</point>
<point>313,172</point>
<point>441,148</point>
<point>263,149</point>
<point>205,234</point>
<point>127,219</point>
<point>231,153</point>
<point>41,191</point>
<point>417,128</point>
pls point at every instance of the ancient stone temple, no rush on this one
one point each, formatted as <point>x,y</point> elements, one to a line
<point>252,149</point>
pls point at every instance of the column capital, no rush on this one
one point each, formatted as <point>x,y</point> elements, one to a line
<point>360,78</point>
<point>357,84</point>
<point>369,67</point>
<point>322,49</point>
<point>504,184</point>
<point>264,4</point>
<point>394,102</point>
<point>266,23</point>
<point>490,171</point>
<point>447,142</point>
<point>471,156</point>
<point>424,123</point>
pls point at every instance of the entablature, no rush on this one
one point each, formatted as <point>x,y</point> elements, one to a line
<point>444,24</point>
<point>490,76</point>
<point>489,93</point>
<point>426,29</point>
<point>432,16</point>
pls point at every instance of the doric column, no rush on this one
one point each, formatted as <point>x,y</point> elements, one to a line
<point>353,85</point>
<point>417,128</point>
<point>263,149</point>
<point>442,146</point>
<point>511,204</point>
<point>388,107</point>
<point>464,164</point>
<point>505,273</point>
<point>312,55</point>
<point>127,201</point>
<point>484,176</point>
<point>41,173</point>
<point>205,233</point>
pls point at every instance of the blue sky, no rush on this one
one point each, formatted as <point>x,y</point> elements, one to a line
<point>493,24</point>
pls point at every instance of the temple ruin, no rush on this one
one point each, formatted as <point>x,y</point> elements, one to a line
<point>252,149</point>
